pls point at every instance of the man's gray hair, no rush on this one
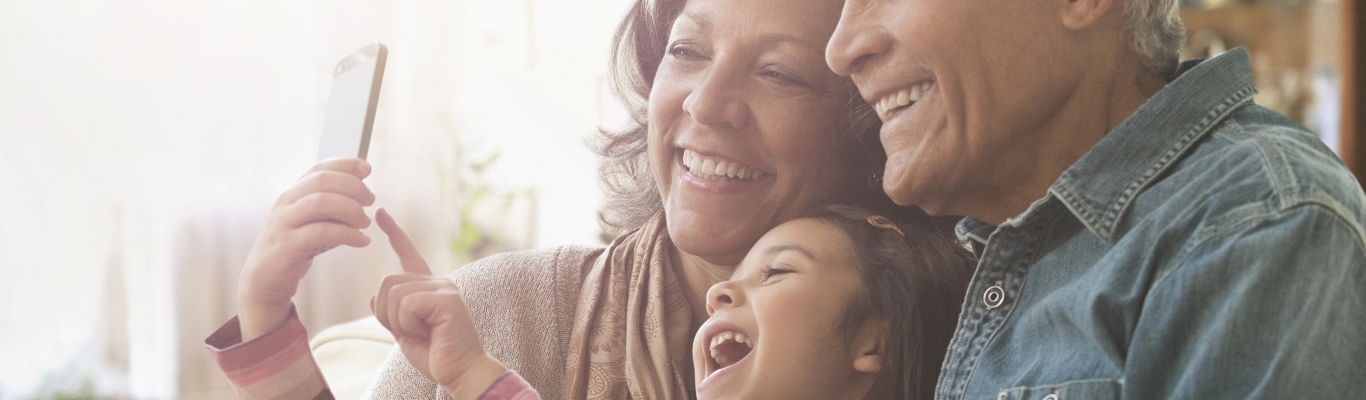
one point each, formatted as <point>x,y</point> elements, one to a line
<point>1156,33</point>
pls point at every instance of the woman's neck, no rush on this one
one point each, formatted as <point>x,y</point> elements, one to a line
<point>698,276</point>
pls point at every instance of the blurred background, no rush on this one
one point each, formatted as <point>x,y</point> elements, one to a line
<point>142,142</point>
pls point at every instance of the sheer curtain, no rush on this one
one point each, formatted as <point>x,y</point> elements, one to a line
<point>142,142</point>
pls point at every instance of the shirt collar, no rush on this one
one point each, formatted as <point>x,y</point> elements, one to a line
<point>1100,187</point>
<point>969,229</point>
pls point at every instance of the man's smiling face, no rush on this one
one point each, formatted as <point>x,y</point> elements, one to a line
<point>960,86</point>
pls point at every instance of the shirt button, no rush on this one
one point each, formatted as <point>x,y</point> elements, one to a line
<point>994,296</point>
<point>1051,396</point>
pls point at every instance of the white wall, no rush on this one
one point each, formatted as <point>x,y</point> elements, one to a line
<point>141,141</point>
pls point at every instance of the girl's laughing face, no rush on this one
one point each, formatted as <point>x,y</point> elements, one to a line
<point>775,327</point>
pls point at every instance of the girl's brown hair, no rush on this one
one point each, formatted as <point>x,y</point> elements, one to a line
<point>914,279</point>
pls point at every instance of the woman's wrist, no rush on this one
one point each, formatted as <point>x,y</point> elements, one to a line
<point>477,379</point>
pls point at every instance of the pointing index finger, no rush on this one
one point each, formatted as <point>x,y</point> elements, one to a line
<point>408,256</point>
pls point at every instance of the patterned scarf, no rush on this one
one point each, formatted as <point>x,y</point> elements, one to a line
<point>632,329</point>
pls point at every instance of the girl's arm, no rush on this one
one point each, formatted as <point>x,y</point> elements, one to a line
<point>510,387</point>
<point>264,350</point>
<point>280,365</point>
<point>276,365</point>
<point>433,328</point>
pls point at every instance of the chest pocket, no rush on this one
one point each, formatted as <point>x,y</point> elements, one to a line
<point>1091,389</point>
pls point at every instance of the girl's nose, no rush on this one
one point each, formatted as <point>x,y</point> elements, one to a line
<point>722,294</point>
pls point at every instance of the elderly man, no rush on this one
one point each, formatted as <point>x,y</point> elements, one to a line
<point>1145,230</point>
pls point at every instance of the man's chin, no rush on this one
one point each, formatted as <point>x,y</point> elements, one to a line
<point>909,190</point>
<point>900,185</point>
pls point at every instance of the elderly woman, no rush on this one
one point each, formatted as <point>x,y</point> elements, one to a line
<point>739,126</point>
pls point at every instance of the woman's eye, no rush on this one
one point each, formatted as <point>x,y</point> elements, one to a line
<point>685,52</point>
<point>781,78</point>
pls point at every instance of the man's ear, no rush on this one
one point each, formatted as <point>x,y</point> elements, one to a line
<point>869,346</point>
<point>1081,14</point>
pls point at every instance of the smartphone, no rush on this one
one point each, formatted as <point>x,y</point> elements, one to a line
<point>351,103</point>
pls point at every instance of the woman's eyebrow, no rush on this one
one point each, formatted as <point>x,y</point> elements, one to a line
<point>705,25</point>
<point>701,20</point>
<point>772,39</point>
<point>789,247</point>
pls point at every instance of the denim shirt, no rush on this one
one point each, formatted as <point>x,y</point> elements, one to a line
<point>1206,248</point>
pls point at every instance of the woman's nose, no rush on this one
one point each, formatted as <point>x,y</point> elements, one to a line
<point>854,42</point>
<point>721,295</point>
<point>717,102</point>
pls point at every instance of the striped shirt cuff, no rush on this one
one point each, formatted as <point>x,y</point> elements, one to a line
<point>510,386</point>
<point>277,365</point>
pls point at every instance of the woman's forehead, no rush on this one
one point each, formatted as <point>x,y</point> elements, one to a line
<point>803,22</point>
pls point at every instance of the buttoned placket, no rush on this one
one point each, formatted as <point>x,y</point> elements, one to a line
<point>1004,262</point>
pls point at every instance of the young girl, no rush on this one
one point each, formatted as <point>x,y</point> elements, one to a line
<point>839,304</point>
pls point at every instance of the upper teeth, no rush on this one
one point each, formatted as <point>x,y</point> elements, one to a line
<point>722,338</point>
<point>901,98</point>
<point>708,168</point>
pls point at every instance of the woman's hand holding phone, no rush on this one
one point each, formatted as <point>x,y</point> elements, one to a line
<point>324,209</point>
<point>431,323</point>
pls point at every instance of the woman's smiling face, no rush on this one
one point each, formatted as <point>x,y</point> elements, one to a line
<point>775,327</point>
<point>744,121</point>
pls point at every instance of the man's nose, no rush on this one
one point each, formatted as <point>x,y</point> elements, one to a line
<point>854,42</point>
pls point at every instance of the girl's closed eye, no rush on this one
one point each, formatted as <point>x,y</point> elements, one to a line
<point>772,270</point>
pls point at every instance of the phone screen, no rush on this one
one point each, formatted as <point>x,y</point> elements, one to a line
<point>351,103</point>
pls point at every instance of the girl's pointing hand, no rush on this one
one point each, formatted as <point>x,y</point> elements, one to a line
<point>429,320</point>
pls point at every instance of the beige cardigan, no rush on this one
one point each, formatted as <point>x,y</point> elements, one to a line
<point>523,306</point>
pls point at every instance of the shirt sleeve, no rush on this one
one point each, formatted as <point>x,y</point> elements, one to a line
<point>510,386</point>
<point>277,365</point>
<point>1265,307</point>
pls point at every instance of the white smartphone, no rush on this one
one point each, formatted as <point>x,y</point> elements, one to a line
<point>351,104</point>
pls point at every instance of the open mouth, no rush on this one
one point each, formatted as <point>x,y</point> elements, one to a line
<point>727,348</point>
<point>902,99</point>
<point>717,169</point>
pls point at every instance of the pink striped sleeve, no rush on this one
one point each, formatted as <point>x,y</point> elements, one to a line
<point>510,386</point>
<point>278,365</point>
